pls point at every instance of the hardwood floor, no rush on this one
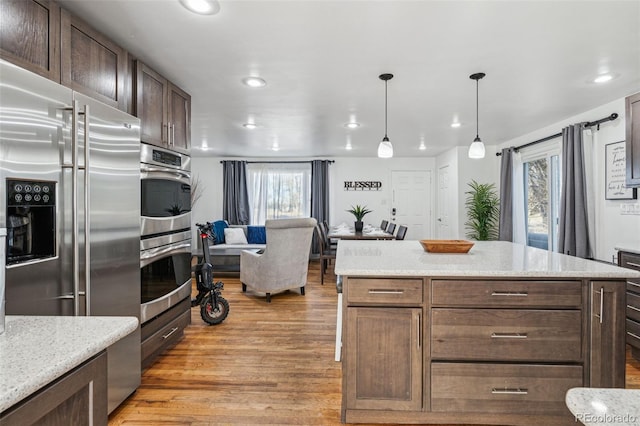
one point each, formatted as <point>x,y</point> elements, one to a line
<point>265,364</point>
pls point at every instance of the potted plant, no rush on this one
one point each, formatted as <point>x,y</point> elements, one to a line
<point>359,212</point>
<point>483,211</point>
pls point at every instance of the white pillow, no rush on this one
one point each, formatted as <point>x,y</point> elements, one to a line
<point>234,236</point>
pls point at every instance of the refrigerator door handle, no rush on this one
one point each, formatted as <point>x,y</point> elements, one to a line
<point>87,228</point>
<point>74,208</point>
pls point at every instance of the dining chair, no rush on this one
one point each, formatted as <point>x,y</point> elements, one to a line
<point>326,252</point>
<point>332,243</point>
<point>384,224</point>
<point>402,231</point>
<point>391,228</point>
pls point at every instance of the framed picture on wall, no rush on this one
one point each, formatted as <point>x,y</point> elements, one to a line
<point>614,173</point>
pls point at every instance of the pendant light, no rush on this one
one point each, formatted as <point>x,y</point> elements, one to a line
<point>385,149</point>
<point>476,149</point>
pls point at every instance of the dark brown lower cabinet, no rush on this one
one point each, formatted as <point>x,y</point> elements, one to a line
<point>77,398</point>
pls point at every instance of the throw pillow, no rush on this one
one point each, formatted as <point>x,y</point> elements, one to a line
<point>256,235</point>
<point>218,230</point>
<point>234,236</point>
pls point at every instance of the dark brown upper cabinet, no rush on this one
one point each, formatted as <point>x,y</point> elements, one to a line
<point>30,35</point>
<point>632,107</point>
<point>91,63</point>
<point>164,110</point>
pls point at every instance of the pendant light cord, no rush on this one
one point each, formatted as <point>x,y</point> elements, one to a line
<point>385,108</point>
<point>477,108</point>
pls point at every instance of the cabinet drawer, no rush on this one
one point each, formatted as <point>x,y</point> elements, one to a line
<point>499,293</point>
<point>629,260</point>
<point>633,306</point>
<point>502,388</point>
<point>506,335</point>
<point>633,333</point>
<point>372,291</point>
<point>166,336</point>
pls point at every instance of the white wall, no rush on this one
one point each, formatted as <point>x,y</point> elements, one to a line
<point>462,170</point>
<point>209,171</point>
<point>612,228</point>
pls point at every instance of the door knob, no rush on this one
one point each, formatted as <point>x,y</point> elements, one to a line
<point>439,219</point>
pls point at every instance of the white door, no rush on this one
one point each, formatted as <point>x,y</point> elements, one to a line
<point>411,203</point>
<point>444,201</point>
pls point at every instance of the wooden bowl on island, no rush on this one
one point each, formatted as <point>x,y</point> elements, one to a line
<point>446,246</point>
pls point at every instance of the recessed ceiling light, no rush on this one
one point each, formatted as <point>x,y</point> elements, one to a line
<point>456,124</point>
<point>254,82</point>
<point>352,125</point>
<point>202,7</point>
<point>422,146</point>
<point>603,78</point>
<point>348,147</point>
<point>249,126</point>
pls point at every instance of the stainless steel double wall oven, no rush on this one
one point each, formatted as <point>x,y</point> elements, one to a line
<point>165,244</point>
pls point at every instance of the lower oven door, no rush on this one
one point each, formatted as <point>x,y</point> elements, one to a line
<point>165,277</point>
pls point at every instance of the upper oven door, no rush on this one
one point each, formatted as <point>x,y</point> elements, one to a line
<point>165,199</point>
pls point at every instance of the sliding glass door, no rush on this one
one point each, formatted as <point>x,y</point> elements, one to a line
<point>542,200</point>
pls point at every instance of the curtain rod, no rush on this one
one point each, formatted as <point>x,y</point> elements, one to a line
<point>589,124</point>
<point>278,162</point>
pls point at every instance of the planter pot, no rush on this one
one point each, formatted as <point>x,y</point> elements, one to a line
<point>358,226</point>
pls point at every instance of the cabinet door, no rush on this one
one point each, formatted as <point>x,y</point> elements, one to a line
<point>91,63</point>
<point>150,100</point>
<point>179,119</point>
<point>30,35</point>
<point>383,359</point>
<point>607,364</point>
<point>633,140</point>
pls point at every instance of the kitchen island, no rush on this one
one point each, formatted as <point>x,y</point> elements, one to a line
<point>54,369</point>
<point>494,336</point>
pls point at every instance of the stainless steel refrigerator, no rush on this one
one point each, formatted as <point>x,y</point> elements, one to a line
<point>70,180</point>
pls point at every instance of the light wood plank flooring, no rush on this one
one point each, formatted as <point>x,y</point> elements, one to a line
<point>265,364</point>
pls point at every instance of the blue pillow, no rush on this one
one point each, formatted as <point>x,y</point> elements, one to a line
<point>218,230</point>
<point>256,235</point>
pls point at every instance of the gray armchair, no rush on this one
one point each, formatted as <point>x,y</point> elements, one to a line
<point>285,260</point>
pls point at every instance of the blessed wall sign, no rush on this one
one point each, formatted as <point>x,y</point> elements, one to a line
<point>362,185</point>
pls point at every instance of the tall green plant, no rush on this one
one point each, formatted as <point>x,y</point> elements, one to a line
<point>483,211</point>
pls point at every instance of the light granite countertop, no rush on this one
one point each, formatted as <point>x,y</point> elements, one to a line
<point>485,259</point>
<point>36,350</point>
<point>629,249</point>
<point>599,406</point>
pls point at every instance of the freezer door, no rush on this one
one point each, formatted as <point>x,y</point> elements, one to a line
<point>109,190</point>
<point>34,127</point>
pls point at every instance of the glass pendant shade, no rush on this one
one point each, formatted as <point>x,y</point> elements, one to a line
<point>476,149</point>
<point>385,149</point>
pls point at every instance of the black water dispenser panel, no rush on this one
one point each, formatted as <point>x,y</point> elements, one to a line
<point>31,224</point>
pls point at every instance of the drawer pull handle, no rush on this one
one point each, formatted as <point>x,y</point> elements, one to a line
<point>508,335</point>
<point>173,330</point>
<point>510,391</point>
<point>373,291</point>
<point>634,308</point>
<point>637,265</point>
<point>633,284</point>
<point>633,335</point>
<point>510,293</point>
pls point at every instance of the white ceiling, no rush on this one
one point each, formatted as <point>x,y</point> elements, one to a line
<point>321,60</point>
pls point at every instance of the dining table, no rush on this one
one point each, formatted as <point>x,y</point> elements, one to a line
<point>343,232</point>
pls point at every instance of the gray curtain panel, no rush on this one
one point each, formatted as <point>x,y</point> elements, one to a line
<point>235,207</point>
<point>506,195</point>
<point>573,230</point>
<point>319,194</point>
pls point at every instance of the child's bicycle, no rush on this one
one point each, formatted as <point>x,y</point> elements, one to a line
<point>213,307</point>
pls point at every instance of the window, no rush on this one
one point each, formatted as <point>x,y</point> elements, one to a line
<point>542,200</point>
<point>278,191</point>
